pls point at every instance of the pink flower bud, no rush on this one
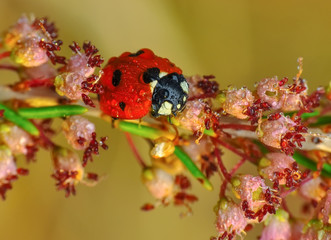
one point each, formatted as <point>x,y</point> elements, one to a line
<point>193,116</point>
<point>269,91</point>
<point>19,30</point>
<point>249,188</point>
<point>78,63</point>
<point>28,53</point>
<point>78,131</point>
<point>291,99</point>
<point>16,139</point>
<point>277,226</point>
<point>275,162</point>
<point>69,85</point>
<point>237,101</point>
<point>159,183</point>
<point>230,218</point>
<point>313,189</point>
<point>8,171</point>
<point>272,131</point>
<point>68,169</point>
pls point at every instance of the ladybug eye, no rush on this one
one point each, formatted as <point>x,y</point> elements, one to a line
<point>151,74</point>
<point>162,94</point>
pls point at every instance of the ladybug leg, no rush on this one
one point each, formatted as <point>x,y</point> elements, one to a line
<point>169,120</point>
<point>176,138</point>
<point>113,120</point>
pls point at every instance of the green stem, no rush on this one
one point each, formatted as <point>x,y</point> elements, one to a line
<point>153,133</point>
<point>306,115</point>
<point>308,163</point>
<point>324,120</point>
<point>195,171</point>
<point>23,123</point>
<point>141,130</point>
<point>51,112</point>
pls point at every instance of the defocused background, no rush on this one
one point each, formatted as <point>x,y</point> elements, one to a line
<point>240,42</point>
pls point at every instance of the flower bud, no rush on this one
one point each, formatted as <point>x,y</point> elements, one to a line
<point>78,131</point>
<point>19,30</point>
<point>292,101</point>
<point>8,171</point>
<point>193,116</point>
<point>158,182</point>
<point>16,139</point>
<point>237,101</point>
<point>313,189</point>
<point>269,91</point>
<point>69,85</point>
<point>275,162</point>
<point>230,218</point>
<point>249,188</point>
<point>28,53</point>
<point>78,63</point>
<point>277,226</point>
<point>163,147</point>
<point>272,131</point>
<point>68,170</point>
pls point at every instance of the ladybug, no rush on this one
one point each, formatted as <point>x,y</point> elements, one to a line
<point>135,84</point>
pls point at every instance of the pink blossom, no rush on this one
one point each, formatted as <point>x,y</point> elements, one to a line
<point>237,101</point>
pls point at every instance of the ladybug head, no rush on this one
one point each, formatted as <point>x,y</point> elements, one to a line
<point>169,95</point>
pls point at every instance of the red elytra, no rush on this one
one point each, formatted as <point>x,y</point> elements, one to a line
<point>126,95</point>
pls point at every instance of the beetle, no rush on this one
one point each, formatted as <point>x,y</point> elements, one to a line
<point>135,84</point>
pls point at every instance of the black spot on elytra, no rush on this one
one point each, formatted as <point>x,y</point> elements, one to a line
<point>122,105</point>
<point>116,78</point>
<point>136,54</point>
<point>151,75</point>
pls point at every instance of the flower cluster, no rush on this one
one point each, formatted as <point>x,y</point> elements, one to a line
<point>277,126</point>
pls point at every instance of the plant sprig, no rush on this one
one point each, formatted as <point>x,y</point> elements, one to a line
<point>18,120</point>
<point>51,111</point>
<point>153,133</point>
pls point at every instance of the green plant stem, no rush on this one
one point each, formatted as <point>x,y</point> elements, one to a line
<point>308,163</point>
<point>195,171</point>
<point>51,112</point>
<point>153,133</point>
<point>141,130</point>
<point>323,120</point>
<point>18,120</point>
<point>306,115</point>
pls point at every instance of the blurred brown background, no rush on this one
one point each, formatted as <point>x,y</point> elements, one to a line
<point>240,42</point>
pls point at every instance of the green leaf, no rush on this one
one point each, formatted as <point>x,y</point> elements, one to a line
<point>324,120</point>
<point>141,130</point>
<point>51,112</point>
<point>21,122</point>
<point>194,170</point>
